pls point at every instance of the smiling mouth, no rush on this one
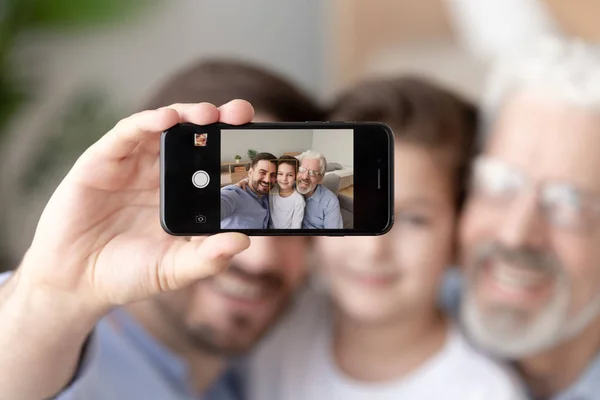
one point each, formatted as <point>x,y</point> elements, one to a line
<point>240,289</point>
<point>512,277</point>
<point>518,284</point>
<point>373,278</point>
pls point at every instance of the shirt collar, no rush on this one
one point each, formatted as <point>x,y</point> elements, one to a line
<point>587,386</point>
<point>173,368</point>
<point>317,194</point>
<point>255,196</point>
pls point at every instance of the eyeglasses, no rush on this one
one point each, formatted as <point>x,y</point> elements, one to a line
<point>562,204</point>
<point>311,172</point>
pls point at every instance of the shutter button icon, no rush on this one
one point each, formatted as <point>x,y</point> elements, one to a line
<point>200,179</point>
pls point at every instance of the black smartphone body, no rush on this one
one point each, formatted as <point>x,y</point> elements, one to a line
<point>265,179</point>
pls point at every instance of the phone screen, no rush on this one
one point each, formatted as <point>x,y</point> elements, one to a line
<point>277,179</point>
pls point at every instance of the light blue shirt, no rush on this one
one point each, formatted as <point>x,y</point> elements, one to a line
<point>243,209</point>
<point>587,387</point>
<point>322,210</point>
<point>123,362</point>
<point>450,291</point>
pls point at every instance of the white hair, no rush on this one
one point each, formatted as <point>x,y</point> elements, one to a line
<point>563,68</point>
<point>315,155</point>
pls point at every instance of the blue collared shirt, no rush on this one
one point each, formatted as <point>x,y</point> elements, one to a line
<point>322,210</point>
<point>123,362</point>
<point>243,209</point>
<point>587,387</point>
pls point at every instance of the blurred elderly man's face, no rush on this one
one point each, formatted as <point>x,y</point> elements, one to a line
<point>531,229</point>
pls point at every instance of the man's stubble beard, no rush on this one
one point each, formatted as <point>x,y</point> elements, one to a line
<point>255,187</point>
<point>205,338</point>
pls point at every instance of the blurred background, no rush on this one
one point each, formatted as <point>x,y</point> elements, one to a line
<point>70,70</point>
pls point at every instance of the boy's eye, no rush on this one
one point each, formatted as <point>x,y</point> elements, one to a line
<point>413,219</point>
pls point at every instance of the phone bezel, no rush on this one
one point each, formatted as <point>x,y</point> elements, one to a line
<point>373,149</point>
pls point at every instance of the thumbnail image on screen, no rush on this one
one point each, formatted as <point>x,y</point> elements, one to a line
<point>287,179</point>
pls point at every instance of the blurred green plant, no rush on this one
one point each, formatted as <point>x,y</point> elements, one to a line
<point>251,154</point>
<point>19,17</point>
<point>88,114</point>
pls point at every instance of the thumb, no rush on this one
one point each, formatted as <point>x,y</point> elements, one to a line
<point>193,260</point>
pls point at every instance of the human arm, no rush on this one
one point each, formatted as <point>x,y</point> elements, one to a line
<point>298,215</point>
<point>333,215</point>
<point>229,199</point>
<point>243,184</point>
<point>99,244</point>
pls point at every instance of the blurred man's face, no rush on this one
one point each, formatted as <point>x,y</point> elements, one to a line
<point>227,314</point>
<point>306,183</point>
<point>531,231</point>
<point>262,176</point>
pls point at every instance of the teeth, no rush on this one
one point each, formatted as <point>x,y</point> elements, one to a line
<point>517,277</point>
<point>235,287</point>
<point>375,275</point>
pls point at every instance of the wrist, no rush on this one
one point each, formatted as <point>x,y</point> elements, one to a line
<point>42,338</point>
<point>28,305</point>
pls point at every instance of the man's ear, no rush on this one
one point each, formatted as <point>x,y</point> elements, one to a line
<point>249,172</point>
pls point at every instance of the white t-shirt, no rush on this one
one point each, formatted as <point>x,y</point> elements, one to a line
<point>295,363</point>
<point>286,212</point>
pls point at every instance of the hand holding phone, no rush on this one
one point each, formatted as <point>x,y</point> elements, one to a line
<point>99,244</point>
<point>104,216</point>
<point>317,178</point>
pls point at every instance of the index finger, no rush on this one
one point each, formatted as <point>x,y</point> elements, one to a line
<point>236,112</point>
<point>126,136</point>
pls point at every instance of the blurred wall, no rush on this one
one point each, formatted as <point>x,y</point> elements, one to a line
<point>274,141</point>
<point>323,45</point>
<point>337,145</point>
<point>129,61</point>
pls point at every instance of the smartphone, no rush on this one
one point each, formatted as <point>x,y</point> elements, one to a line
<point>265,179</point>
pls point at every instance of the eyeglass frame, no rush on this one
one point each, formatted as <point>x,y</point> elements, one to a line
<point>311,172</point>
<point>588,203</point>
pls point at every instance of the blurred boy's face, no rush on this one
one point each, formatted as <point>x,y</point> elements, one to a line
<point>393,277</point>
<point>286,175</point>
<point>531,231</point>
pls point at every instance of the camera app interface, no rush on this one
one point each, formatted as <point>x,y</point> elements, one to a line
<point>287,179</point>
